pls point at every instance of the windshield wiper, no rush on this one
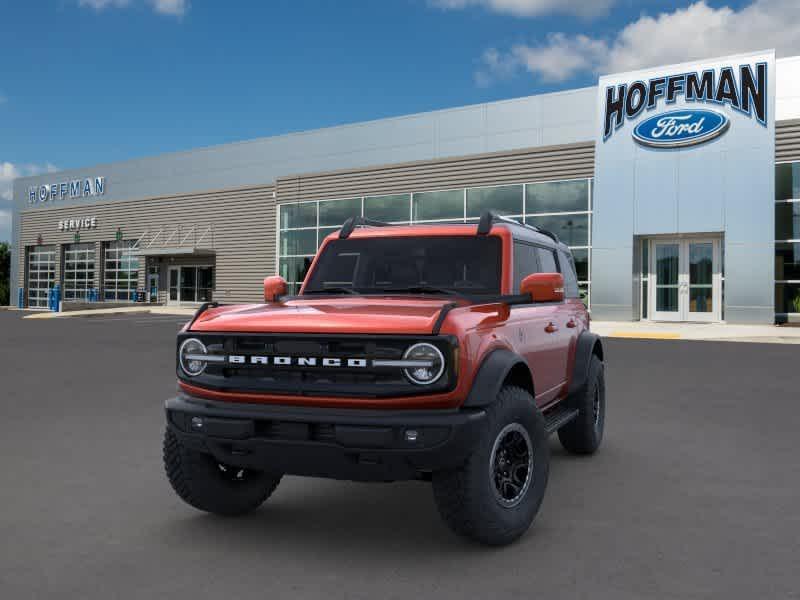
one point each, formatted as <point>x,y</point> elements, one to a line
<point>332,290</point>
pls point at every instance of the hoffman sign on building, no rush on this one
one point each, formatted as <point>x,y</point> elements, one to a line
<point>76,188</point>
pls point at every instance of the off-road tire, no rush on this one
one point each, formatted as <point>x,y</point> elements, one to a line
<point>203,483</point>
<point>583,434</point>
<point>467,497</point>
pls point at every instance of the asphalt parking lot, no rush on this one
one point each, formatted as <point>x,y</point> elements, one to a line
<point>695,493</point>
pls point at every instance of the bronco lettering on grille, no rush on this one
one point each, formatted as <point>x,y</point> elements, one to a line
<point>299,361</point>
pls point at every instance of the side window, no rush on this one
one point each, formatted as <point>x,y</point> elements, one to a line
<point>570,278</point>
<point>547,260</point>
<point>524,263</point>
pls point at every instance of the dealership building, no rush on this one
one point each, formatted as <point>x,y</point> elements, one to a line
<point>677,187</point>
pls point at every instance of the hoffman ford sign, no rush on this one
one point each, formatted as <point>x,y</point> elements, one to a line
<point>76,188</point>
<point>743,89</point>
<point>680,128</point>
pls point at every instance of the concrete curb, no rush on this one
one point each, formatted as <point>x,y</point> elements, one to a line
<point>717,332</point>
<point>160,310</point>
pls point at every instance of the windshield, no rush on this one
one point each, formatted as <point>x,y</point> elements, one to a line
<point>417,265</point>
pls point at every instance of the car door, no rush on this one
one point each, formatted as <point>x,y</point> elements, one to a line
<point>534,337</point>
<point>560,326</point>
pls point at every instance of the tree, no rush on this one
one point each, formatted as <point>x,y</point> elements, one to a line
<point>5,268</point>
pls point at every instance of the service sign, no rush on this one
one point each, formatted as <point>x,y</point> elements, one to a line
<point>683,108</point>
<point>77,224</point>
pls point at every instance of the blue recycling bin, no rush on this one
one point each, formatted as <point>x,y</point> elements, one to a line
<point>54,298</point>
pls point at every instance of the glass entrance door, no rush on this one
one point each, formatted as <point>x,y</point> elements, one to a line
<point>173,293</point>
<point>190,285</point>
<point>666,304</point>
<point>686,280</point>
<point>699,286</point>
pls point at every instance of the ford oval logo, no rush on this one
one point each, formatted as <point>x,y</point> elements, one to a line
<point>681,128</point>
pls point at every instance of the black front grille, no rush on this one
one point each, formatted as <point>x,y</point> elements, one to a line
<point>302,378</point>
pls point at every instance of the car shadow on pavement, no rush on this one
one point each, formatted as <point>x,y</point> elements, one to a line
<point>374,520</point>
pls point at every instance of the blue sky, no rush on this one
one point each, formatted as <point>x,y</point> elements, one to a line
<point>91,81</point>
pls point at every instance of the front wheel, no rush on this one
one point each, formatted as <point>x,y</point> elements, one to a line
<point>210,486</point>
<point>494,497</point>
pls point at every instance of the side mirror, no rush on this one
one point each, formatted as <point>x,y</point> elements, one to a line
<point>274,288</point>
<point>543,287</point>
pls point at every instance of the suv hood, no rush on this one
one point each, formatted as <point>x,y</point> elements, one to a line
<point>357,314</point>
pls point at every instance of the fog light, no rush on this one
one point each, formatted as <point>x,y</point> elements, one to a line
<point>411,435</point>
<point>197,423</point>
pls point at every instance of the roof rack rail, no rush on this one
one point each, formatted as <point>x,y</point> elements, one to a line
<point>353,222</point>
<point>489,218</point>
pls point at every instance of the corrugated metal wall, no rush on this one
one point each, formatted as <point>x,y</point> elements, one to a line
<point>243,223</point>
<point>538,164</point>
<point>244,219</point>
<point>787,141</point>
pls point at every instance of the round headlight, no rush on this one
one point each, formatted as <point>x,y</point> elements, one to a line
<point>191,355</point>
<point>431,363</point>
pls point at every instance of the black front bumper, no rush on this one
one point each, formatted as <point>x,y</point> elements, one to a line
<point>365,445</point>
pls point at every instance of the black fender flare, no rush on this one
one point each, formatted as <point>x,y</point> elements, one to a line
<point>588,345</point>
<point>490,377</point>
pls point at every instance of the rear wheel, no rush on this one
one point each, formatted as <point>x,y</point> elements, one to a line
<point>495,495</point>
<point>583,434</point>
<point>211,486</point>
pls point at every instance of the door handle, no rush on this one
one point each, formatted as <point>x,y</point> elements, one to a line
<point>572,324</point>
<point>551,327</point>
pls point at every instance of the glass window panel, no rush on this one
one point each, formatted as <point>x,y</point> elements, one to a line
<point>787,181</point>
<point>547,260</point>
<point>787,298</point>
<point>581,257</point>
<point>667,299</point>
<point>301,241</point>
<point>439,205</point>
<point>557,196</point>
<point>325,232</point>
<point>573,230</point>
<point>584,290</point>
<point>567,264</point>
<point>787,261</point>
<point>787,221</point>
<point>667,264</point>
<point>506,200</point>
<point>336,212</point>
<point>301,214</point>
<point>294,270</point>
<point>388,208</point>
<point>645,259</point>
<point>700,299</point>
<point>701,258</point>
<point>525,263</point>
<point>644,299</point>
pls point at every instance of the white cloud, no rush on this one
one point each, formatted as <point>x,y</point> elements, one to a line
<point>9,172</point>
<point>172,8</point>
<point>175,8</point>
<point>531,8</point>
<point>697,31</point>
<point>103,4</point>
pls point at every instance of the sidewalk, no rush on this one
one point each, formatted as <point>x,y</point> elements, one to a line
<point>645,330</point>
<point>144,309</point>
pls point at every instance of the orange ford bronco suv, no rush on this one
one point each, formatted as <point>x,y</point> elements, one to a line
<point>443,353</point>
